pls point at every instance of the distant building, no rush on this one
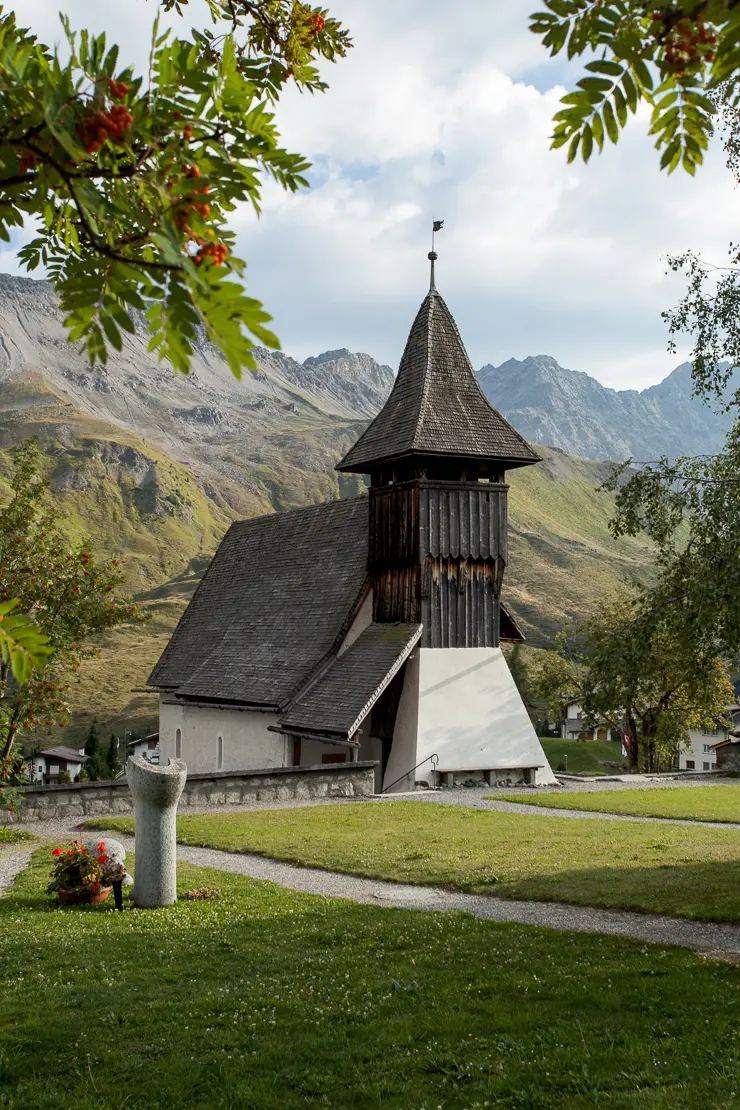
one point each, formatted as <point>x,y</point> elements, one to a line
<point>726,751</point>
<point>700,753</point>
<point>147,747</point>
<point>574,725</point>
<point>369,628</point>
<point>45,764</point>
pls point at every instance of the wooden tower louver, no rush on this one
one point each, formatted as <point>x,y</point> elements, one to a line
<point>436,456</point>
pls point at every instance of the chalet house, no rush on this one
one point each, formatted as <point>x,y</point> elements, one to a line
<point>575,724</point>
<point>369,628</point>
<point>147,747</point>
<point>45,764</point>
<point>725,751</point>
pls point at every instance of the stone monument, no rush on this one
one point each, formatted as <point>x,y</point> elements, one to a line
<point>156,792</point>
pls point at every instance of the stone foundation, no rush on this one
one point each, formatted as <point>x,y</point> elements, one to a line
<point>203,791</point>
<point>517,776</point>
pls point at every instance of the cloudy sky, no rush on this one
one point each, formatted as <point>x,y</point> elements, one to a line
<point>443,111</point>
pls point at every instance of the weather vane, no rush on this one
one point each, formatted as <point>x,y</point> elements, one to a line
<point>437,225</point>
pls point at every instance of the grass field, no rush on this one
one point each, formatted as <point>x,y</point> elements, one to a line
<point>10,835</point>
<point>274,1000</point>
<point>683,870</point>
<point>582,756</point>
<point>717,802</point>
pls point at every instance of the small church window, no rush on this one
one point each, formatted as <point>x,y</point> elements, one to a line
<point>220,753</point>
<point>178,744</point>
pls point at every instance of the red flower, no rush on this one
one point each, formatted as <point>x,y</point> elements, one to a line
<point>101,845</point>
<point>103,858</point>
<point>57,851</point>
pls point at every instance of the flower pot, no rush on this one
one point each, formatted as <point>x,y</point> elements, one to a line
<point>82,898</point>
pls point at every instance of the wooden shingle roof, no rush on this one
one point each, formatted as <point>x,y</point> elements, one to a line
<point>436,406</point>
<point>338,702</point>
<point>272,604</point>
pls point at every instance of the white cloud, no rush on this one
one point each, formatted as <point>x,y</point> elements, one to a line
<point>444,111</point>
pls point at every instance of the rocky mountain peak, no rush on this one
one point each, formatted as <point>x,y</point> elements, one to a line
<point>571,410</point>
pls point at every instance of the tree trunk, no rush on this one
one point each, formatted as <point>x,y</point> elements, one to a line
<point>633,749</point>
<point>11,736</point>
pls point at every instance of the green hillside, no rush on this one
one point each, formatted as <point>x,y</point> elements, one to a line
<point>561,554</point>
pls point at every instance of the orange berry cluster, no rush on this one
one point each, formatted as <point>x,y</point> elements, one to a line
<point>181,222</point>
<point>216,251</point>
<point>687,43</point>
<point>119,90</point>
<point>317,24</point>
<point>96,129</point>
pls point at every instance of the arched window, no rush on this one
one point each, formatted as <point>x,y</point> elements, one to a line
<point>178,744</point>
<point>220,753</point>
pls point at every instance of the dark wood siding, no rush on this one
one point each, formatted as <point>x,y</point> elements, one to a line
<point>437,555</point>
<point>394,531</point>
<point>463,519</point>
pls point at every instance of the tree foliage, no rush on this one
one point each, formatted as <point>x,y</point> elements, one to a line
<point>130,179</point>
<point>68,593</point>
<point>690,506</point>
<point>671,54</point>
<point>636,675</point>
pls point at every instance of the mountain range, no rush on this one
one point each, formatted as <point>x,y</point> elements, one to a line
<point>571,410</point>
<point>154,466</point>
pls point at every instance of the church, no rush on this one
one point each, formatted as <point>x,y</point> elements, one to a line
<point>369,628</point>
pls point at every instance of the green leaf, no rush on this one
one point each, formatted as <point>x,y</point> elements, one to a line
<point>610,124</point>
<point>22,644</point>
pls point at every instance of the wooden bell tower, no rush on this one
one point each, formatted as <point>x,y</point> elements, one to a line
<point>437,455</point>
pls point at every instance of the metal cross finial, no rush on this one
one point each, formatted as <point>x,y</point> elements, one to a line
<point>437,225</point>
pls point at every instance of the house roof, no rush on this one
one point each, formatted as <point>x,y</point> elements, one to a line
<point>340,699</point>
<point>436,406</point>
<point>273,603</point>
<point>72,755</point>
<point>143,739</point>
<point>725,743</point>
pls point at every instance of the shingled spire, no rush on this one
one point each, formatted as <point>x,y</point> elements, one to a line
<point>436,407</point>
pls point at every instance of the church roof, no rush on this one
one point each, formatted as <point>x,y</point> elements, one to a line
<point>436,406</point>
<point>338,702</point>
<point>273,603</point>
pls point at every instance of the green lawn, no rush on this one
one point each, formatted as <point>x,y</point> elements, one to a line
<point>11,835</point>
<point>685,870</point>
<point>584,756</point>
<point>716,802</point>
<point>273,1000</point>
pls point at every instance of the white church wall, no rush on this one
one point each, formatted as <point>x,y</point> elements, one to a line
<point>472,716</point>
<point>246,742</point>
<point>404,753</point>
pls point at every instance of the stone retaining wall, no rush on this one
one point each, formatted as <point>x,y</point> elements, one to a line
<point>222,788</point>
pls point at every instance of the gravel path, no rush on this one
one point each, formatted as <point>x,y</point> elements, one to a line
<point>13,860</point>
<point>701,936</point>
